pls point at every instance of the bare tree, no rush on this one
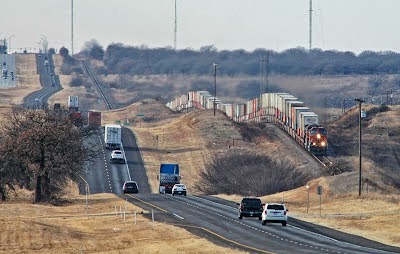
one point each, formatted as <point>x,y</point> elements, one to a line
<point>41,150</point>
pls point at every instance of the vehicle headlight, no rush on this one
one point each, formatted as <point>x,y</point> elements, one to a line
<point>314,144</point>
<point>323,143</point>
<point>318,136</point>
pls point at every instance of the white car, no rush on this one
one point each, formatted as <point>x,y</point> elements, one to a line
<point>179,189</point>
<point>117,156</point>
<point>274,212</point>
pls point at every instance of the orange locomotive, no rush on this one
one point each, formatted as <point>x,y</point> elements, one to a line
<point>316,139</point>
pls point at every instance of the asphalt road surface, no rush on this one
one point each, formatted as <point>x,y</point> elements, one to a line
<point>108,177</point>
<point>217,220</point>
<point>49,81</point>
<point>213,218</point>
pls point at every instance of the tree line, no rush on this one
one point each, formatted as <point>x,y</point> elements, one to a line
<point>141,60</point>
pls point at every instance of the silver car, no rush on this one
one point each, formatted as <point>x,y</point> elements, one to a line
<point>179,189</point>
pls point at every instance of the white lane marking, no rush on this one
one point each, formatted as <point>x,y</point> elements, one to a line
<point>326,237</point>
<point>126,164</point>
<point>178,216</point>
<point>241,223</point>
<point>334,240</point>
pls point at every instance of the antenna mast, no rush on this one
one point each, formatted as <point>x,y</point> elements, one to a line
<point>175,30</point>
<point>310,28</point>
<point>72,27</point>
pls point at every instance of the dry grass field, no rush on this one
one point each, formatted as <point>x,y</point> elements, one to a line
<point>75,227</point>
<point>190,140</point>
<point>72,228</point>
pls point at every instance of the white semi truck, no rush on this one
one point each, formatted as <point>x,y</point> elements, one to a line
<point>112,136</point>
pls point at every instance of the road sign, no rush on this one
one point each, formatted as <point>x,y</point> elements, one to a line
<point>319,190</point>
<point>139,114</point>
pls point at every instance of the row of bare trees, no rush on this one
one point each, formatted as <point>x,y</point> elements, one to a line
<point>42,151</point>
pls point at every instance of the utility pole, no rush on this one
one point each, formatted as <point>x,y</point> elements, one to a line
<point>266,74</point>
<point>9,43</point>
<point>72,27</point>
<point>391,91</point>
<point>175,29</point>
<point>215,85</point>
<point>262,69</point>
<point>387,97</point>
<point>326,109</point>
<point>360,101</point>
<point>343,106</point>
<point>310,26</point>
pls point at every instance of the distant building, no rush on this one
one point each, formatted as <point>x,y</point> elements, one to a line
<point>3,46</point>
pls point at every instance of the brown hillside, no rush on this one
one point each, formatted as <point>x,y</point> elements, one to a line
<point>192,139</point>
<point>380,145</point>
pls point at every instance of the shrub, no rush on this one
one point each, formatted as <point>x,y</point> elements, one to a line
<point>77,81</point>
<point>251,131</point>
<point>249,174</point>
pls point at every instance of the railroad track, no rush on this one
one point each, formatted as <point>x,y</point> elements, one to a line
<point>323,160</point>
<point>97,85</point>
<point>330,167</point>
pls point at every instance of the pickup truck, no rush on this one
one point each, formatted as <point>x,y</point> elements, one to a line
<point>250,207</point>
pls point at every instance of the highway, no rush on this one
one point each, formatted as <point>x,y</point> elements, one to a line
<point>49,81</point>
<point>106,177</point>
<point>208,217</point>
<point>217,221</point>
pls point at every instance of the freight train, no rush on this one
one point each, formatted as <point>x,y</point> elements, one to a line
<point>285,110</point>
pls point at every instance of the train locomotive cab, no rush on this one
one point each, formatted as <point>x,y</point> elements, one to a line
<point>316,140</point>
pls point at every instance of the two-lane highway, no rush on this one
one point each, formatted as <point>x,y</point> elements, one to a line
<point>108,177</point>
<point>49,81</point>
<point>216,219</point>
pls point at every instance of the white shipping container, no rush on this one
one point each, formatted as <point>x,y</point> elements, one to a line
<point>296,114</point>
<point>306,119</point>
<point>264,100</point>
<point>288,110</point>
<point>73,102</point>
<point>281,104</point>
<point>112,136</point>
<point>274,103</point>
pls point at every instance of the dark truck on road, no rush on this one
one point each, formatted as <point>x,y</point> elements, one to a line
<point>250,207</point>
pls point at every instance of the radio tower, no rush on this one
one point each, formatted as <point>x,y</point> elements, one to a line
<point>72,27</point>
<point>175,29</point>
<point>310,28</point>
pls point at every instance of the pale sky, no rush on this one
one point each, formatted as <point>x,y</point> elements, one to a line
<point>344,25</point>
